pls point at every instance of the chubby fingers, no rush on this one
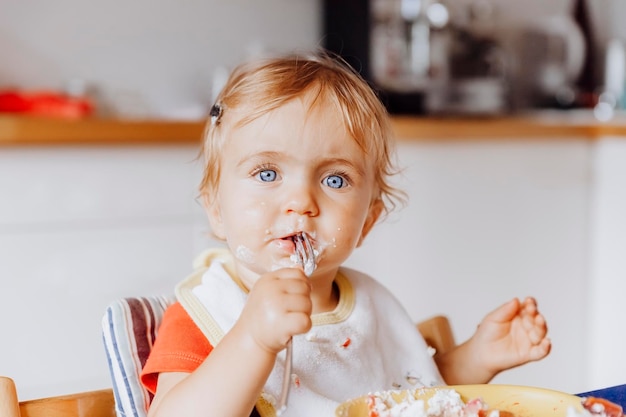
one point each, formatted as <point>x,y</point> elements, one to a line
<point>296,303</point>
<point>297,296</point>
<point>530,314</point>
<point>535,325</point>
<point>294,281</point>
<point>293,284</point>
<point>540,350</point>
<point>536,328</point>
<point>278,306</point>
<point>529,306</point>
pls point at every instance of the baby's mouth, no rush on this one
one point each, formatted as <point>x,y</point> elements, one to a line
<point>295,236</point>
<point>304,253</point>
<point>289,239</point>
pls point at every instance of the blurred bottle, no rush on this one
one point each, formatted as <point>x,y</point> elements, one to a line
<point>409,50</point>
<point>587,82</point>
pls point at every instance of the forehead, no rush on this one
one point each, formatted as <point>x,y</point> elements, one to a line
<point>311,107</point>
<point>316,120</point>
<point>336,112</point>
<point>256,104</point>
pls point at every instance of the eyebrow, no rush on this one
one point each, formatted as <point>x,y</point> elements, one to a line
<point>360,169</point>
<point>345,162</point>
<point>258,156</point>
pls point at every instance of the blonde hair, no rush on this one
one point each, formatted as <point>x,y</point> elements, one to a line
<point>267,84</point>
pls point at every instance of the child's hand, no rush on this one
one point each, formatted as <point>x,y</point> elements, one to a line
<point>278,307</point>
<point>511,335</point>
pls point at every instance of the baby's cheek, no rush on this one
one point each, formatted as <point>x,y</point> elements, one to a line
<point>252,219</point>
<point>255,210</point>
<point>342,239</point>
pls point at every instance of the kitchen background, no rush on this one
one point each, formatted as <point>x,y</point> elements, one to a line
<point>487,219</point>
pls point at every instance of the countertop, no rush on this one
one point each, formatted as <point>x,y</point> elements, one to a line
<point>26,131</point>
<point>23,130</point>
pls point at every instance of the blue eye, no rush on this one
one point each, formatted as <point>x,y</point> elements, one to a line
<point>267,175</point>
<point>334,181</point>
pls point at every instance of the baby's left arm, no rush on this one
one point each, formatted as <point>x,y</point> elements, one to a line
<point>509,336</point>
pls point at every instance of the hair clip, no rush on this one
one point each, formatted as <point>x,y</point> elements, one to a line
<point>216,113</point>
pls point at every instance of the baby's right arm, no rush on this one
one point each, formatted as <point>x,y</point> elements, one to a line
<point>230,380</point>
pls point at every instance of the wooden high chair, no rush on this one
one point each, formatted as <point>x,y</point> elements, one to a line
<point>84,404</point>
<point>437,333</point>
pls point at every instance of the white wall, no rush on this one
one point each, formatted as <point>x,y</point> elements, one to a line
<point>79,228</point>
<point>606,335</point>
<point>145,57</point>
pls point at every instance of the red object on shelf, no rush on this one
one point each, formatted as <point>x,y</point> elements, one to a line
<point>45,103</point>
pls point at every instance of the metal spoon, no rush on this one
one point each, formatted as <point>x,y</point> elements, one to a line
<point>306,259</point>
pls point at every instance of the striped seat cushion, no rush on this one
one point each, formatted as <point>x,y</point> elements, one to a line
<point>129,328</point>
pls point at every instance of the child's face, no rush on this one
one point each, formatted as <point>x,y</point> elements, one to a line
<point>293,170</point>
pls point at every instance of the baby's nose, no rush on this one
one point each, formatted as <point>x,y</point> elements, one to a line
<point>301,200</point>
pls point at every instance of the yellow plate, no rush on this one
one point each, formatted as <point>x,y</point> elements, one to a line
<point>520,400</point>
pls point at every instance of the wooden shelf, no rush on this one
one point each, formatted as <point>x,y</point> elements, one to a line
<point>16,130</point>
<point>26,131</point>
<point>521,127</point>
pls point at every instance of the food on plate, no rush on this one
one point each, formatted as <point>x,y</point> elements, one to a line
<point>596,407</point>
<point>444,403</point>
<point>449,403</point>
<point>481,400</point>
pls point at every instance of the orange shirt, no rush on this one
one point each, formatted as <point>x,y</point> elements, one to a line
<point>179,347</point>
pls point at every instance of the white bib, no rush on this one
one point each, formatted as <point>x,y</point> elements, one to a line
<point>367,344</point>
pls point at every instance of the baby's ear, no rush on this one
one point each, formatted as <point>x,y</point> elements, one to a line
<point>375,210</point>
<point>214,214</point>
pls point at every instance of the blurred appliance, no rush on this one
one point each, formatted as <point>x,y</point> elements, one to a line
<point>475,82</point>
<point>416,57</point>
<point>406,45</point>
<point>547,56</point>
<point>441,56</point>
<point>375,37</point>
